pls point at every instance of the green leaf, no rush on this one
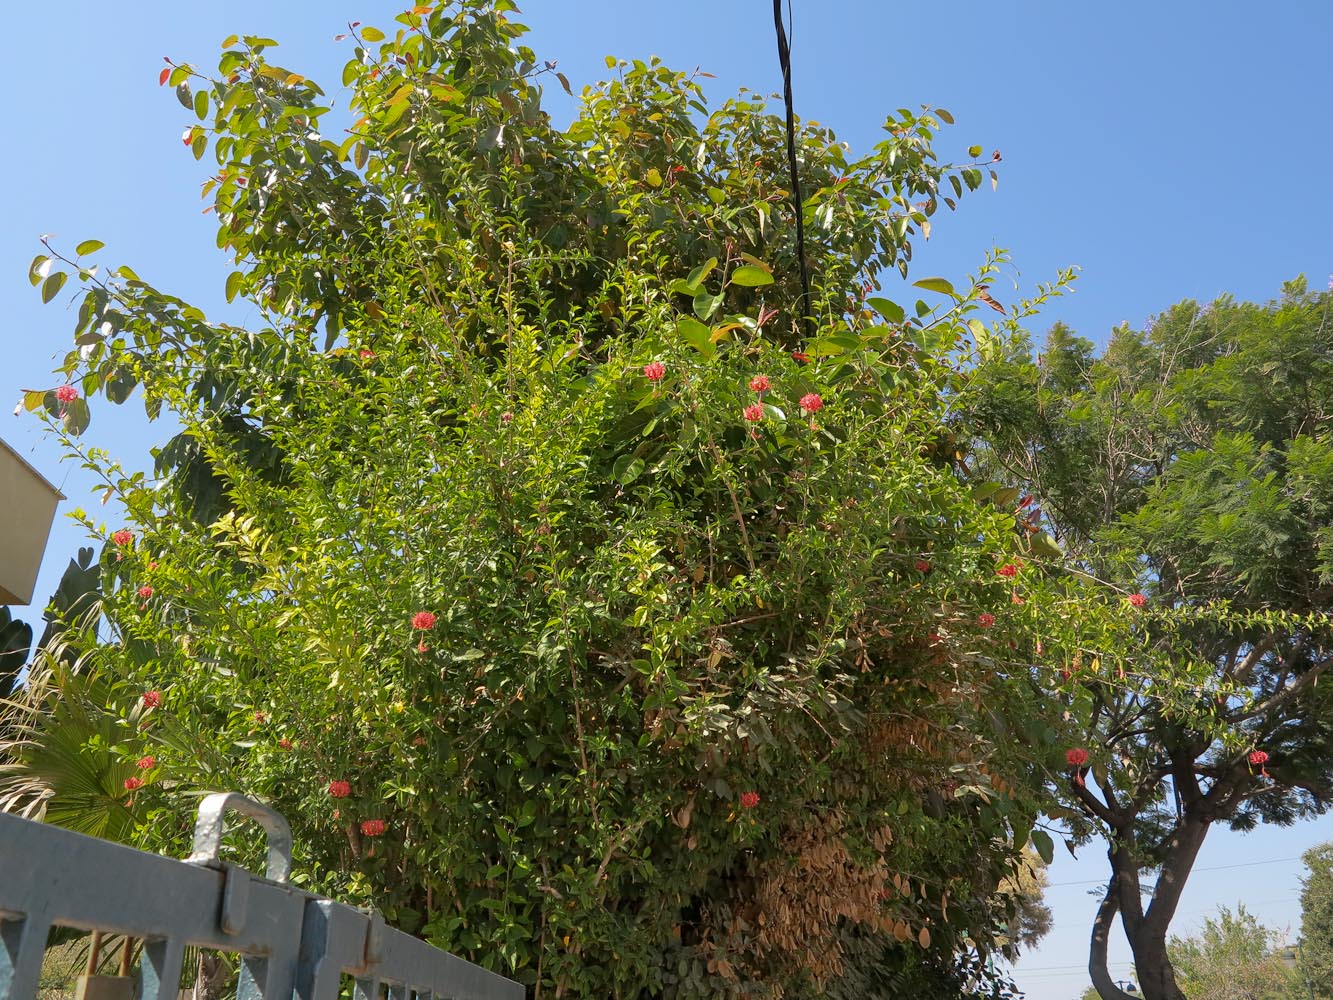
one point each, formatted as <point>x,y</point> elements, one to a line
<point>700,273</point>
<point>941,285</point>
<point>198,144</point>
<point>654,177</point>
<point>974,151</point>
<point>235,282</point>
<point>1044,545</point>
<point>119,387</point>
<point>626,469</point>
<point>891,311</point>
<point>564,82</point>
<point>184,96</point>
<point>749,276</point>
<point>229,41</point>
<point>33,399</point>
<point>76,417</point>
<point>52,285</point>
<point>944,116</point>
<point>201,105</point>
<point>372,34</point>
<point>697,336</point>
<point>88,246</point>
<point>705,305</point>
<point>1041,840</point>
<point>38,269</point>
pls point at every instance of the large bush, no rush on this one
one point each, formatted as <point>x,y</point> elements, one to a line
<point>584,607</point>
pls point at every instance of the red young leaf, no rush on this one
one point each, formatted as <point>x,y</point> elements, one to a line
<point>162,77</point>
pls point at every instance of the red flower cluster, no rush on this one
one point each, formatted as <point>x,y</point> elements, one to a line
<point>754,412</point>
<point>145,592</point>
<point>151,699</point>
<point>800,357</point>
<point>749,800</point>
<point>67,393</point>
<point>811,403</point>
<point>654,371</point>
<point>759,383</point>
<point>1138,600</point>
<point>372,827</point>
<point>1077,757</point>
<point>423,620</point>
<point>1008,569</point>
<point>260,717</point>
<point>285,743</point>
<point>985,619</point>
<point>1258,757</point>
<point>146,763</point>
<point>340,789</point>
<point>506,417</point>
<point>122,537</point>
<point>922,566</point>
<point>132,783</point>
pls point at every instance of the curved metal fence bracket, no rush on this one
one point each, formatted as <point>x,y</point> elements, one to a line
<point>208,830</point>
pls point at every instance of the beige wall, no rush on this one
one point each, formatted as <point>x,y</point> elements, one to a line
<point>27,507</point>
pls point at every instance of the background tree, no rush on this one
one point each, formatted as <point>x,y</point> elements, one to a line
<point>1190,466</point>
<point>1234,957</point>
<point>581,610</point>
<point>1316,951</point>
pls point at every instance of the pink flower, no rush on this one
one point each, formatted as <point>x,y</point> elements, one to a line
<point>422,647</point>
<point>132,783</point>
<point>506,417</point>
<point>366,354</point>
<point>754,412</point>
<point>749,800</point>
<point>122,537</point>
<point>985,619</point>
<point>1014,598</point>
<point>285,743</point>
<point>1138,600</point>
<point>151,699</point>
<point>340,789</point>
<point>759,383</point>
<point>654,371</point>
<point>1008,569</point>
<point>922,566</point>
<point>1259,759</point>
<point>800,357</point>
<point>423,620</point>
<point>145,592</point>
<point>372,827</point>
<point>67,393</point>
<point>811,403</point>
<point>260,716</point>
<point>146,763</point>
<point>1076,757</point>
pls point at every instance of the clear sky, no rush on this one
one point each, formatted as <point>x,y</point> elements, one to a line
<point>1170,149</point>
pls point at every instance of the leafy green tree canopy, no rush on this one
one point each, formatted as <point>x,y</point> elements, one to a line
<point>1191,464</point>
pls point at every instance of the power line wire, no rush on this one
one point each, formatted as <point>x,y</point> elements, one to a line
<point>1213,868</point>
<point>784,60</point>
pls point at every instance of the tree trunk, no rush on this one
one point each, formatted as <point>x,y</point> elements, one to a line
<point>1101,931</point>
<point>1157,978</point>
<point>1147,936</point>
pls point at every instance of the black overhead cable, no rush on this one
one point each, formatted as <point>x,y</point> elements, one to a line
<point>784,59</point>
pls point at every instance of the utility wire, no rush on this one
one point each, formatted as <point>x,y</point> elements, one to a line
<point>1214,868</point>
<point>784,60</point>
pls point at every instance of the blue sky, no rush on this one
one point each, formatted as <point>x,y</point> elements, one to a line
<point>1170,150</point>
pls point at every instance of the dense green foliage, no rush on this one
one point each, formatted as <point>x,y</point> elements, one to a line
<point>580,611</point>
<point>1316,952</point>
<point>1191,462</point>
<point>1234,957</point>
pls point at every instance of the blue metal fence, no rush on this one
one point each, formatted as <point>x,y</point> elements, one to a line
<point>292,945</point>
